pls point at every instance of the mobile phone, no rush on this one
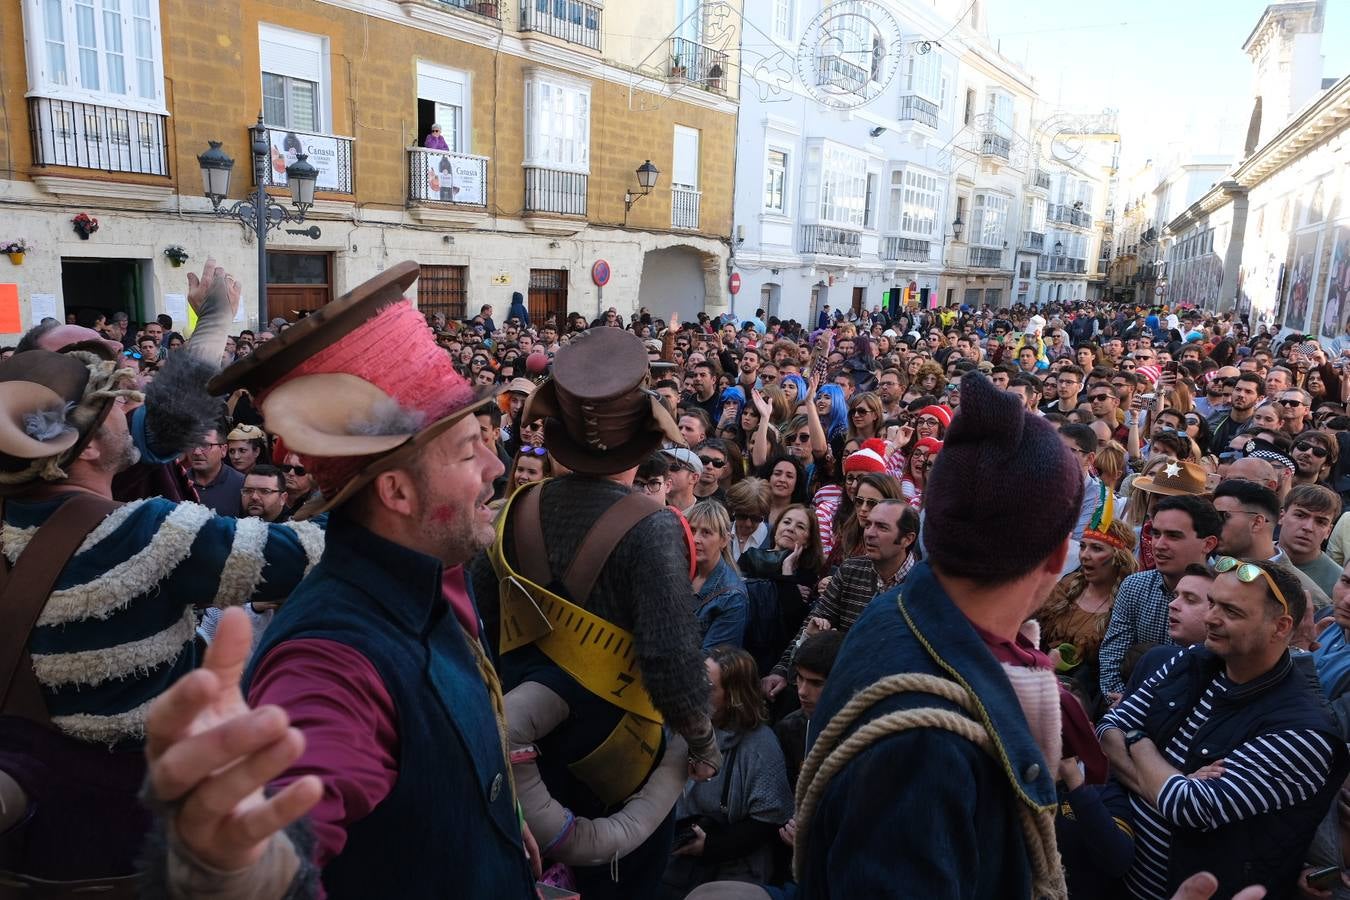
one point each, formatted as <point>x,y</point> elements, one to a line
<point>1171,367</point>
<point>1324,878</point>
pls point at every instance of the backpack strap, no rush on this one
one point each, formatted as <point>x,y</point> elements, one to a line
<point>24,590</point>
<point>611,528</point>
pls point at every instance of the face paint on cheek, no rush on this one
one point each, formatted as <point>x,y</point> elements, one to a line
<point>443,514</point>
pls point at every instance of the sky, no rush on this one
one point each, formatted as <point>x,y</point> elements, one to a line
<point>1173,68</point>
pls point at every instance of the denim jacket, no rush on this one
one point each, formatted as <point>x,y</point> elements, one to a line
<point>723,607</point>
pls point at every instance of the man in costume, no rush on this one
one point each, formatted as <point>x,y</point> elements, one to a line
<point>588,585</point>
<point>98,604</point>
<point>370,703</point>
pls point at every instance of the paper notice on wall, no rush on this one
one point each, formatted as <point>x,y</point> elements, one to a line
<point>241,314</point>
<point>10,320</point>
<point>43,306</point>
<point>176,306</point>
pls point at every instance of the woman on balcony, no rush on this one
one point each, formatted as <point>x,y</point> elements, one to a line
<point>435,140</point>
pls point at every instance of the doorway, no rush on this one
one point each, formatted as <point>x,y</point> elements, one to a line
<point>297,282</point>
<point>859,298</point>
<point>548,296</point>
<point>93,287</point>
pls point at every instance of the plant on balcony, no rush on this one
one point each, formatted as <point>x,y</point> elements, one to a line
<point>16,248</point>
<point>85,225</point>
<point>677,69</point>
<point>176,254</point>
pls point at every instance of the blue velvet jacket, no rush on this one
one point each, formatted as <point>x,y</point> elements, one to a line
<point>449,828</point>
<point>924,813</point>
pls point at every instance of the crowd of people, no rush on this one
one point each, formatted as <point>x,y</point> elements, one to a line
<point>1086,566</point>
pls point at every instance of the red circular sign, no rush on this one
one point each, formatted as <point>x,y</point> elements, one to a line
<point>600,273</point>
<point>735,282</point>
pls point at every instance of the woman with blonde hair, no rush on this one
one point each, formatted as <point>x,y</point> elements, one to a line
<point>722,603</point>
<point>1109,464</point>
<point>1074,617</point>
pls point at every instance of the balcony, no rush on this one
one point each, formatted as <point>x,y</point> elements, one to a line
<point>483,9</point>
<point>555,191</point>
<point>1033,240</point>
<point>905,249</point>
<point>697,64</point>
<point>1062,265</point>
<point>106,138</point>
<point>574,21</point>
<point>836,72</point>
<point>684,207</point>
<point>995,145</point>
<point>985,258</point>
<point>916,109</point>
<point>447,188</point>
<point>330,154</point>
<point>1041,180</point>
<point>826,240</point>
<point>1067,215</point>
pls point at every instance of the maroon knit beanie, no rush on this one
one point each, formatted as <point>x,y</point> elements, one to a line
<point>1003,494</point>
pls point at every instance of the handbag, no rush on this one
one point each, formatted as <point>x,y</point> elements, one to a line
<point>67,789</point>
<point>756,562</point>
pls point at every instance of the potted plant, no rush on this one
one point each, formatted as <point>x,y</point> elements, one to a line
<point>677,69</point>
<point>176,254</point>
<point>16,248</point>
<point>85,225</point>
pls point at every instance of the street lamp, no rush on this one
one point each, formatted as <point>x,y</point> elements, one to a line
<point>261,213</point>
<point>1059,248</point>
<point>957,227</point>
<point>646,176</point>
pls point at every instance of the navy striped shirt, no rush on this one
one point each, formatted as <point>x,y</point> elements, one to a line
<point>1270,772</point>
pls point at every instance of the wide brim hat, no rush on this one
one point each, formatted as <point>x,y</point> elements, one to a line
<point>1175,479</point>
<point>600,417</point>
<point>358,387</point>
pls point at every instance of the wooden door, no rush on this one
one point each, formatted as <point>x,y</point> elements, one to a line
<point>297,282</point>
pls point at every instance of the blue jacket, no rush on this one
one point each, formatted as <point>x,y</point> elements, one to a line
<point>924,813</point>
<point>724,607</point>
<point>450,826</point>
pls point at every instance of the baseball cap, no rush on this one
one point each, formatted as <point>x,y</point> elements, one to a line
<point>685,457</point>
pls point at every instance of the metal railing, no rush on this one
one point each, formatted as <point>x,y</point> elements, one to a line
<point>550,190</point>
<point>1041,180</point>
<point>684,204</point>
<point>906,249</point>
<point>330,154</point>
<point>916,109</point>
<point>440,177</point>
<point>833,70</point>
<point>487,9</point>
<point>1033,240</point>
<point>1063,265</point>
<point>995,145</point>
<point>698,64</point>
<point>1067,215</point>
<point>86,136</point>
<point>985,258</point>
<point>575,21</point>
<point>830,241</point>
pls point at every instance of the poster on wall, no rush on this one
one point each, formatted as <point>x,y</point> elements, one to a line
<point>1338,285</point>
<point>454,179</point>
<point>322,154</point>
<point>1299,285</point>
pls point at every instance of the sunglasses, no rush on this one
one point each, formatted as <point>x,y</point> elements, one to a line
<point>803,437</point>
<point>1247,573</point>
<point>1316,450</point>
<point>860,411</point>
<point>1290,402</point>
<point>1095,397</point>
<point>533,451</point>
<point>712,462</point>
<point>745,517</point>
<point>292,470</point>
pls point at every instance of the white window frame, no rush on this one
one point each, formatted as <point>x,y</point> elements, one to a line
<point>924,76</point>
<point>983,232</point>
<point>460,134</point>
<point>916,185</point>
<point>572,92</point>
<point>317,44</point>
<point>677,161</point>
<point>841,177</point>
<point>1002,111</point>
<point>44,82</point>
<point>784,19</point>
<point>782,175</point>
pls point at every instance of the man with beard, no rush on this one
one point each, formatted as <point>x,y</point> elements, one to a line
<point>371,703</point>
<point>264,494</point>
<point>890,389</point>
<point>1247,393</point>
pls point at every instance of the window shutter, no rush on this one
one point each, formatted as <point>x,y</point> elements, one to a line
<point>291,53</point>
<point>685,165</point>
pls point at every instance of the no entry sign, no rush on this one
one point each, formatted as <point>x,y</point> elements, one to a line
<point>735,284</point>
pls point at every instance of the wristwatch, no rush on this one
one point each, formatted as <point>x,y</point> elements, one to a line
<point>1134,736</point>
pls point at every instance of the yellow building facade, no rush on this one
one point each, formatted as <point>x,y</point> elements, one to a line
<point>547,109</point>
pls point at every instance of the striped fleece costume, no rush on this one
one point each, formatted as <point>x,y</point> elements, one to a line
<point>118,628</point>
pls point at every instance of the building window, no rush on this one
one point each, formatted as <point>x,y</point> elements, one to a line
<point>1000,113</point>
<point>783,16</point>
<point>870,203</point>
<point>944,89</point>
<point>294,76</point>
<point>548,295</point>
<point>989,220</point>
<point>684,196</point>
<point>100,51</point>
<point>443,99</point>
<point>993,297</point>
<point>923,76</point>
<point>775,180</point>
<point>843,186</point>
<point>919,212</point>
<point>969,116</point>
<point>557,123</point>
<point>1024,269</point>
<point>443,289</point>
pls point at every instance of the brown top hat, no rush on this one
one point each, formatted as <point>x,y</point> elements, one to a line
<point>600,417</point>
<point>358,387</point>
<point>1174,479</point>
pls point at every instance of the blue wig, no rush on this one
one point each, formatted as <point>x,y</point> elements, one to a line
<point>837,421</point>
<point>735,395</point>
<point>800,382</point>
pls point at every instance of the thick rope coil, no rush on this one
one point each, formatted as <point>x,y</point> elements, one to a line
<point>826,759</point>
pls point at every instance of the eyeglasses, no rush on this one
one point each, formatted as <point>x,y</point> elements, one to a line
<point>209,446</point>
<point>865,502</point>
<point>860,411</point>
<point>713,462</point>
<point>745,517</point>
<point>853,477</point>
<point>927,421</point>
<point>1316,450</point>
<point>650,487</point>
<point>263,491</point>
<point>1225,515</point>
<point>801,437</point>
<point>1247,573</point>
<point>292,470</point>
